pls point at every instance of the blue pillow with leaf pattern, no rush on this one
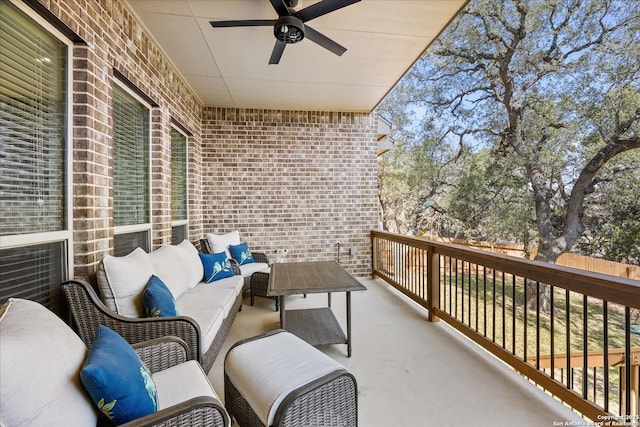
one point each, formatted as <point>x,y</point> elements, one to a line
<point>216,266</point>
<point>241,253</point>
<point>117,380</point>
<point>158,300</point>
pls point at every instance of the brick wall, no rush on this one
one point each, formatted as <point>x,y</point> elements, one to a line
<point>298,180</point>
<point>115,41</point>
<point>286,179</point>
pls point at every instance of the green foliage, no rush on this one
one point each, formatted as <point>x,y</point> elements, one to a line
<point>536,103</point>
<point>490,202</point>
<point>612,215</point>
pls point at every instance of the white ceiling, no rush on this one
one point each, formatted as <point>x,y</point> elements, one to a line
<point>229,67</point>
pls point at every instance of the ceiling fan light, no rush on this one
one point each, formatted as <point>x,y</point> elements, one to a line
<point>289,29</point>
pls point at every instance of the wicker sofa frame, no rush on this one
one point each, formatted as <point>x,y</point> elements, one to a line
<point>258,287</point>
<point>330,400</point>
<point>87,311</point>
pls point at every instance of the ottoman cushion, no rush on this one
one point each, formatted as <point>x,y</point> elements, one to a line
<point>286,363</point>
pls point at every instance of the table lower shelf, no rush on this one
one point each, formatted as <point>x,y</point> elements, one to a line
<point>317,326</point>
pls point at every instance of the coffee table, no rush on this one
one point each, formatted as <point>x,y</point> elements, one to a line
<point>317,326</point>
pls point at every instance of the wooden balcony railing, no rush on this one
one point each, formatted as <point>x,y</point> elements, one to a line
<point>572,332</point>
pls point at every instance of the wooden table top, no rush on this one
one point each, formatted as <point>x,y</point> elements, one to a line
<point>311,277</point>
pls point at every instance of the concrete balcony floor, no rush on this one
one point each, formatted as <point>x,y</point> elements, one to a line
<point>412,372</point>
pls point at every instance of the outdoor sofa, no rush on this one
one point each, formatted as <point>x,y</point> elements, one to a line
<point>218,243</point>
<point>205,311</point>
<point>44,367</point>
<point>255,273</point>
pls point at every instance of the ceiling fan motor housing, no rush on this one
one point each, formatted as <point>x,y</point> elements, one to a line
<point>289,29</point>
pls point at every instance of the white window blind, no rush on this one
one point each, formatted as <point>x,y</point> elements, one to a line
<point>33,129</point>
<point>33,272</point>
<point>32,126</point>
<point>178,233</point>
<point>131,209</point>
<point>130,160</point>
<point>178,176</point>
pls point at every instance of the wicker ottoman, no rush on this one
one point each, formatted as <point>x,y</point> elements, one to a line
<point>277,379</point>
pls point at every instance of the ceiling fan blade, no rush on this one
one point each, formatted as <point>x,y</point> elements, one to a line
<point>244,23</point>
<point>280,7</point>
<point>322,8</point>
<point>277,52</point>
<point>323,41</point>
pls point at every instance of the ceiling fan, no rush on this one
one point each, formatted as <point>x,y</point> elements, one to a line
<point>290,26</point>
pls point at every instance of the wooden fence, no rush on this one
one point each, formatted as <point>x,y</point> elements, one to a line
<point>596,265</point>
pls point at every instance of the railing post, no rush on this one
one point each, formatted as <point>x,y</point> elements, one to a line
<point>433,282</point>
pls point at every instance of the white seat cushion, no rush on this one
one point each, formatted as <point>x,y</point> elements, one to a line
<point>181,383</point>
<point>40,362</point>
<point>248,269</point>
<point>208,305</point>
<point>206,296</point>
<point>286,363</point>
<point>235,282</point>
<point>209,320</point>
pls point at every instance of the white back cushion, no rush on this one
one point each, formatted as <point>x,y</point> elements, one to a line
<point>193,269</point>
<point>40,362</point>
<point>123,280</point>
<point>168,264</point>
<point>220,242</point>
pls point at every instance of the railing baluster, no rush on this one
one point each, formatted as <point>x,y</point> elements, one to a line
<point>424,270</point>
<point>477,297</point>
<point>462,296</point>
<point>469,295</point>
<point>450,277</point>
<point>552,332</point>
<point>456,295</point>
<point>567,310</point>
<point>513,314</point>
<point>585,342</point>
<point>605,337</point>
<point>627,362</point>
<point>504,324</point>
<point>525,309</point>
<point>538,326</point>
<point>484,299</point>
<point>493,324</point>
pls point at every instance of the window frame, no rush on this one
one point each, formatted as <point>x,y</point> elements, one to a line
<point>66,234</point>
<point>143,227</point>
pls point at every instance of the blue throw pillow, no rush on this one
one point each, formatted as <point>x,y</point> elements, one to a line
<point>241,253</point>
<point>216,266</point>
<point>117,380</point>
<point>158,300</point>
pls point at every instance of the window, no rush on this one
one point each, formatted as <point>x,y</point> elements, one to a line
<point>131,187</point>
<point>178,186</point>
<point>34,224</point>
